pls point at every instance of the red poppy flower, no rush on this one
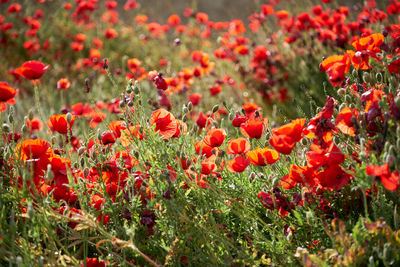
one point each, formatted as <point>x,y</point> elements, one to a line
<point>204,149</point>
<point>195,98</point>
<point>32,149</point>
<point>58,123</point>
<point>239,120</point>
<point>250,107</point>
<point>238,164</point>
<point>160,82</point>
<point>107,137</point>
<point>34,125</point>
<point>32,70</point>
<point>6,96</point>
<point>202,17</point>
<point>215,137</point>
<point>333,177</point>
<point>165,122</point>
<point>263,156</point>
<point>63,84</point>
<point>208,165</point>
<point>238,146</point>
<point>253,128</point>
<point>389,180</point>
<point>174,20</point>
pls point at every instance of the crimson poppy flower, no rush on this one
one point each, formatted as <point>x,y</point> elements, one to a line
<point>58,123</point>
<point>285,137</point>
<point>110,34</point>
<point>208,165</point>
<point>215,137</point>
<point>333,177</point>
<point>95,262</point>
<point>117,127</point>
<point>238,164</point>
<point>6,96</point>
<point>263,156</point>
<point>32,70</point>
<point>165,122</point>
<point>238,146</point>
<point>160,82</point>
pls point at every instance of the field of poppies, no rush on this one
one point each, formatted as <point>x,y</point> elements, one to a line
<point>130,141</point>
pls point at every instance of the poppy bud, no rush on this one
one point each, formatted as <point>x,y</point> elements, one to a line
<point>215,108</point>
<point>379,77</point>
<point>81,150</point>
<point>130,103</point>
<point>160,82</point>
<point>128,89</point>
<point>105,65</point>
<point>185,109</point>
<point>398,131</point>
<point>354,73</point>
<point>11,118</point>
<point>86,172</point>
<point>121,104</point>
<point>30,115</point>
<point>366,77</point>
<point>341,91</point>
<point>347,99</point>
<point>136,89</point>
<point>252,176</point>
<point>184,118</point>
<point>190,106</point>
<point>82,162</point>
<point>53,140</point>
<point>24,128</point>
<point>69,117</point>
<point>309,217</point>
<point>397,101</point>
<point>6,127</point>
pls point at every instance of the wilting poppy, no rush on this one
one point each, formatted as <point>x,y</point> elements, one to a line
<point>58,123</point>
<point>6,96</point>
<point>238,146</point>
<point>263,156</point>
<point>165,123</point>
<point>32,70</point>
<point>215,137</point>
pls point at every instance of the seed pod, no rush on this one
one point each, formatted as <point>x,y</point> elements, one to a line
<point>30,115</point>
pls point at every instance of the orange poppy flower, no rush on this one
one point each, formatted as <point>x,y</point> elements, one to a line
<point>58,123</point>
<point>174,20</point>
<point>6,96</point>
<point>32,70</point>
<point>208,165</point>
<point>344,120</point>
<point>293,129</point>
<point>32,149</point>
<point>128,134</point>
<point>250,107</point>
<point>117,127</point>
<point>215,137</point>
<point>263,156</point>
<point>238,164</point>
<point>336,67</point>
<point>238,146</point>
<point>165,122</point>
